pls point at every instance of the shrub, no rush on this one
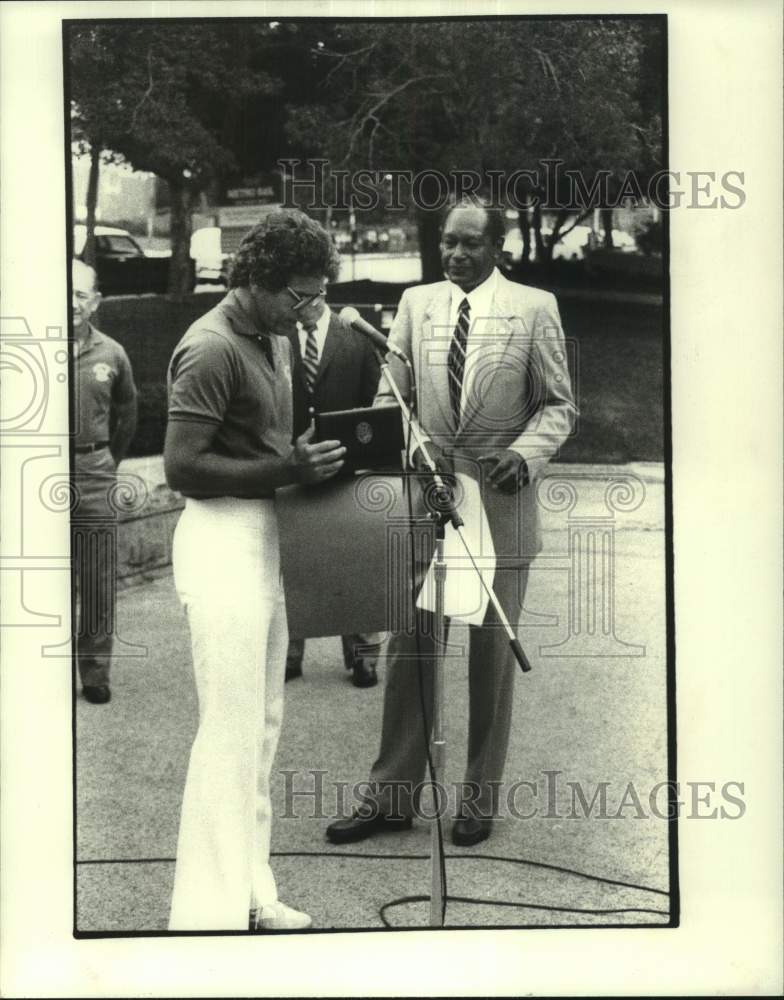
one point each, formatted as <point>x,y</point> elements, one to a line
<point>649,238</point>
<point>151,427</point>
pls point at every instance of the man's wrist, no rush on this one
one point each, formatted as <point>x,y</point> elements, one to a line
<point>295,469</point>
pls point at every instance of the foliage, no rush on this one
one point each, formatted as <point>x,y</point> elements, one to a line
<point>167,97</point>
<point>151,423</point>
<point>650,237</point>
<point>489,95</point>
<point>197,102</point>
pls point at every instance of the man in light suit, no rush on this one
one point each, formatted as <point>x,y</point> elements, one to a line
<point>494,397</point>
<point>335,368</point>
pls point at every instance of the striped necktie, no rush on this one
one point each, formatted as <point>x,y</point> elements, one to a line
<point>310,360</point>
<point>455,364</point>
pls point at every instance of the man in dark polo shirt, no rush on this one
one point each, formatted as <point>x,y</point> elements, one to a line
<point>104,424</point>
<point>228,448</point>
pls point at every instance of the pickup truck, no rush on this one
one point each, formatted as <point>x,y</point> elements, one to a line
<point>122,265</point>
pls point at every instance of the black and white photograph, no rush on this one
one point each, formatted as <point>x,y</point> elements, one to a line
<point>363,426</point>
<point>478,205</point>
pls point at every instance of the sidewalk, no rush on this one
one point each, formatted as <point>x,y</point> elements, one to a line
<point>593,708</point>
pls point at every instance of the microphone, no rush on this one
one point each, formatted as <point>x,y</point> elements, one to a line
<point>350,317</point>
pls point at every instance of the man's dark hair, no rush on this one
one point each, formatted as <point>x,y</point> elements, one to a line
<point>284,243</point>
<point>496,223</point>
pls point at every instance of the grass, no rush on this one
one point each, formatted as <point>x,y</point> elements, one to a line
<point>617,371</point>
<point>618,381</point>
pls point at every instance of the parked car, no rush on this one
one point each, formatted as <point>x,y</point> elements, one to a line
<point>122,265</point>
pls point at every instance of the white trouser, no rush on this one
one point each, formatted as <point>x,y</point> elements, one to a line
<point>227,573</point>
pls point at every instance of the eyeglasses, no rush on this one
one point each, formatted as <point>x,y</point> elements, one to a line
<point>302,301</point>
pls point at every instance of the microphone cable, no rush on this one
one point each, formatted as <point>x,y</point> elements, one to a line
<point>480,901</point>
<point>408,476</point>
<point>472,900</point>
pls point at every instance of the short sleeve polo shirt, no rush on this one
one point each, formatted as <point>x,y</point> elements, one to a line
<point>103,380</point>
<point>227,373</point>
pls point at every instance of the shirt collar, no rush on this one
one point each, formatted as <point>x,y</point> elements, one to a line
<point>321,326</point>
<point>480,299</point>
<point>93,337</point>
<point>240,319</point>
<point>242,322</point>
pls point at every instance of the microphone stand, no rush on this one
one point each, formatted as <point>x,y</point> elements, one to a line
<point>448,514</point>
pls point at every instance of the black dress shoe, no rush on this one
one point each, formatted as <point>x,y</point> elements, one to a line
<point>97,694</point>
<point>364,674</point>
<point>356,827</point>
<point>293,669</point>
<point>468,831</point>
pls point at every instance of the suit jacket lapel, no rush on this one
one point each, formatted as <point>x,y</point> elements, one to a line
<point>331,344</point>
<point>299,371</point>
<point>496,331</point>
<point>436,332</point>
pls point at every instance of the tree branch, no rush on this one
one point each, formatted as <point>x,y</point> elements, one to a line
<point>558,233</point>
<point>147,92</point>
<point>361,119</point>
<point>548,68</point>
<point>343,58</point>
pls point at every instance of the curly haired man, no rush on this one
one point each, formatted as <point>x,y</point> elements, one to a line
<point>228,448</point>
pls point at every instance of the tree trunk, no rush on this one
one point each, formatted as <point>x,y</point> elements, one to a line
<point>88,254</point>
<point>180,266</point>
<point>524,222</point>
<point>607,224</point>
<point>429,231</point>
<point>541,251</point>
<point>560,219</point>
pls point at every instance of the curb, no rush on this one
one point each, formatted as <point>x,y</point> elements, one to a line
<point>632,298</point>
<point>648,472</point>
<point>145,538</point>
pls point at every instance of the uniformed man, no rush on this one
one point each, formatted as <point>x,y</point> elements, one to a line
<point>104,424</point>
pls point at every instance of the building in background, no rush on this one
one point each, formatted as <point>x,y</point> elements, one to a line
<point>126,197</point>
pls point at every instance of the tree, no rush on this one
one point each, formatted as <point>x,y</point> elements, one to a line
<point>197,103</point>
<point>487,96</point>
<point>91,120</point>
<point>167,97</point>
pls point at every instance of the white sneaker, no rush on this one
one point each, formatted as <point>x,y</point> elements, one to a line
<point>279,917</point>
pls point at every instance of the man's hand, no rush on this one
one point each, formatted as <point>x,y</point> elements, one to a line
<point>507,470</point>
<point>317,462</point>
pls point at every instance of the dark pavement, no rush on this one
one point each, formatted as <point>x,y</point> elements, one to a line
<point>593,718</point>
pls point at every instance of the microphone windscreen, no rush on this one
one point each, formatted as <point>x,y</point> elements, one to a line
<point>349,315</point>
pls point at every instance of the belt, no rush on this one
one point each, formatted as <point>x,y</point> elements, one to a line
<point>87,449</point>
